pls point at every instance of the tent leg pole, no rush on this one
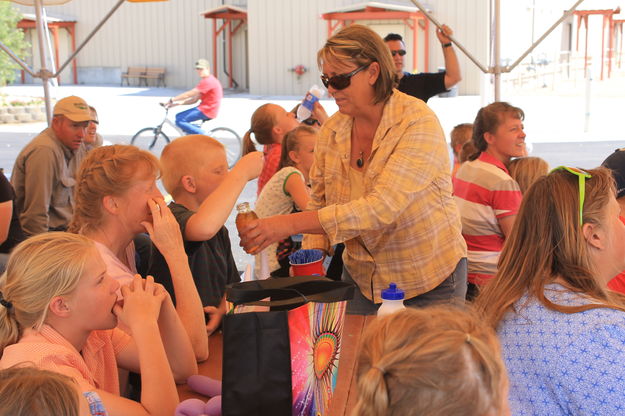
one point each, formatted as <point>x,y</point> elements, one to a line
<point>44,73</point>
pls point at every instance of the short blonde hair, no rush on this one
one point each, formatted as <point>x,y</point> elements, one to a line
<point>40,268</point>
<point>107,170</point>
<point>526,170</point>
<point>362,46</point>
<point>30,391</point>
<point>186,156</point>
<point>434,361</point>
<point>460,135</point>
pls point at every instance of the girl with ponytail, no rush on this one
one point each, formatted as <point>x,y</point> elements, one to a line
<point>269,124</point>
<point>435,361</point>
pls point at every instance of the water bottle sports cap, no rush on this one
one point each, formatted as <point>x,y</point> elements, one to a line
<point>392,293</point>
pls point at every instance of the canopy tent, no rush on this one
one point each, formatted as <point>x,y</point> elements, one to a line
<point>54,23</point>
<point>374,10</point>
<point>609,22</point>
<point>44,73</point>
<point>228,14</point>
<point>496,68</point>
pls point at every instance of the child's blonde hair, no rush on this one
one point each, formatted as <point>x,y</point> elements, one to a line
<point>262,126</point>
<point>526,170</point>
<point>432,361</point>
<point>186,156</point>
<point>107,170</point>
<point>291,142</point>
<point>460,134</point>
<point>40,268</point>
<point>29,391</point>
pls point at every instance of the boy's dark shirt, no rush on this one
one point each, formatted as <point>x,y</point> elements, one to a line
<point>211,262</point>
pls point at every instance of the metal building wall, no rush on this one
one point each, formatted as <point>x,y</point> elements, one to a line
<point>280,34</point>
<point>169,34</point>
<point>285,33</point>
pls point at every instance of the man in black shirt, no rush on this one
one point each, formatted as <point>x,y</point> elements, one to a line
<point>426,84</point>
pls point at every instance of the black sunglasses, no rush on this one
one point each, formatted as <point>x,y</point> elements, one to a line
<point>342,81</point>
<point>399,52</point>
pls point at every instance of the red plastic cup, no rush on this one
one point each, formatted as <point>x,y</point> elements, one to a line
<point>314,268</point>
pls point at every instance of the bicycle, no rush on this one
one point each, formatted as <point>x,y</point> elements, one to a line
<point>148,138</point>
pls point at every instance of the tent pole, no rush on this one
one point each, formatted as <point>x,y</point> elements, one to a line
<point>44,74</point>
<point>89,36</point>
<point>497,53</point>
<point>17,59</point>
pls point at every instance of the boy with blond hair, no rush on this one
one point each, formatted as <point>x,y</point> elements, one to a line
<point>195,173</point>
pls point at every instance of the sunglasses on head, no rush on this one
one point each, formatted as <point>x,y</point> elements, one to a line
<point>582,175</point>
<point>341,81</point>
<point>399,52</point>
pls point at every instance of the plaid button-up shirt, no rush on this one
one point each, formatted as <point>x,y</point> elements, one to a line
<point>406,228</point>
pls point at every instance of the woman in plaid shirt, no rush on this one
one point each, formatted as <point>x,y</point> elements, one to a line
<point>380,184</point>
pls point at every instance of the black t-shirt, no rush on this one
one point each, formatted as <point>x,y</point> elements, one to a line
<point>211,262</point>
<point>15,230</point>
<point>424,85</point>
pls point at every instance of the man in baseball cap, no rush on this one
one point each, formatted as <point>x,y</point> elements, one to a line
<point>202,64</point>
<point>43,174</point>
<point>74,108</point>
<point>208,91</point>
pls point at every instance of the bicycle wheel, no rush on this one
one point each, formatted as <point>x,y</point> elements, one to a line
<point>150,139</point>
<point>231,141</point>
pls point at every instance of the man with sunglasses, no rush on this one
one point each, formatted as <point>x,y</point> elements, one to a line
<point>426,84</point>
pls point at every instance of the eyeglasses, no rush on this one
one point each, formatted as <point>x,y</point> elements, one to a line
<point>342,81</point>
<point>581,177</point>
<point>399,52</point>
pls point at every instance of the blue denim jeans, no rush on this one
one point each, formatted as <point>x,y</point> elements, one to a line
<point>451,290</point>
<point>185,118</point>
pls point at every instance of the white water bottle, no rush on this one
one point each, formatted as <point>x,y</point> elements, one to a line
<point>305,109</point>
<point>392,300</point>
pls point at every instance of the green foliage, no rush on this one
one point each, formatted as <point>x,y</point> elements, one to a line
<point>13,38</point>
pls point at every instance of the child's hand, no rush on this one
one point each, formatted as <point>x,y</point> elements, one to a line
<point>214,318</point>
<point>142,302</point>
<point>250,165</point>
<point>164,229</point>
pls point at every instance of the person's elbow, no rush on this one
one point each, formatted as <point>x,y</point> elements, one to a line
<point>452,79</point>
<point>183,372</point>
<point>200,349</point>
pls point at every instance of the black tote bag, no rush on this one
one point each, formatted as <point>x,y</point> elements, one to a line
<point>257,363</point>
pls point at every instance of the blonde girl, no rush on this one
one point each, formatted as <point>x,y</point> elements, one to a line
<point>435,361</point>
<point>116,200</point>
<point>59,310</point>
<point>269,124</point>
<point>29,391</point>
<point>526,170</point>
<point>560,328</point>
<point>287,189</point>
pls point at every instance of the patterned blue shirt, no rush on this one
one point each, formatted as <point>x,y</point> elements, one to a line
<point>564,364</point>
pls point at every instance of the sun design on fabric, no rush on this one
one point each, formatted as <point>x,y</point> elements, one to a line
<point>326,329</point>
<point>324,353</point>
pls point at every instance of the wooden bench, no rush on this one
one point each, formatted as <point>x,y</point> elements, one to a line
<point>153,73</point>
<point>143,74</point>
<point>133,72</point>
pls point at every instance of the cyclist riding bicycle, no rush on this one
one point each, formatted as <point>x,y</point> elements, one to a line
<point>208,90</point>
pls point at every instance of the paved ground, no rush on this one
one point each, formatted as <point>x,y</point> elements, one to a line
<point>555,124</point>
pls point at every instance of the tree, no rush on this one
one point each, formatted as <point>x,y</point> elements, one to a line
<point>13,39</point>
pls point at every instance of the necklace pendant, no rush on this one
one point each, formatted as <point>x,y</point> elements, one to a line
<point>360,162</point>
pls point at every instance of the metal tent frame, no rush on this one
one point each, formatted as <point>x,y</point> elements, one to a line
<point>44,73</point>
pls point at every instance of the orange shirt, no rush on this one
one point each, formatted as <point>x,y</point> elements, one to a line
<point>96,367</point>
